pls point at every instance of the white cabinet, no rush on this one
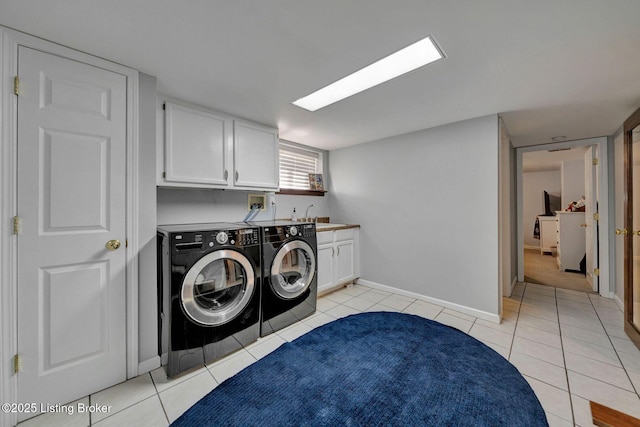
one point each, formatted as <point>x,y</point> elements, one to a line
<point>206,149</point>
<point>256,161</point>
<point>548,234</point>
<point>195,146</point>
<point>571,240</point>
<point>338,258</point>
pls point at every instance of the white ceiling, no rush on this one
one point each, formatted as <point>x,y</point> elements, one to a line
<point>548,67</point>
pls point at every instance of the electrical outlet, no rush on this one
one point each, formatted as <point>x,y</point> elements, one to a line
<point>257,199</point>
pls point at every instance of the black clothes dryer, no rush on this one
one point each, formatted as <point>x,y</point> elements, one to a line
<point>289,273</point>
<point>209,292</point>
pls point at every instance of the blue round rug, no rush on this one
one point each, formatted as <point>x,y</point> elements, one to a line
<point>374,369</point>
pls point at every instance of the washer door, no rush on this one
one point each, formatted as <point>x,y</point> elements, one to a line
<point>218,287</point>
<point>293,269</point>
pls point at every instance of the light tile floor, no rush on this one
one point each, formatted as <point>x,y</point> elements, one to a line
<point>569,345</point>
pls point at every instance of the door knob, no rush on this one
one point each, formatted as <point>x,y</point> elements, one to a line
<point>112,245</point>
<point>619,232</point>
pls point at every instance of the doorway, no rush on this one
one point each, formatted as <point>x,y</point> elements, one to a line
<point>599,223</point>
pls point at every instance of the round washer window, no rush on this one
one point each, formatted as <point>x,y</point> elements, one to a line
<point>293,269</point>
<point>218,287</point>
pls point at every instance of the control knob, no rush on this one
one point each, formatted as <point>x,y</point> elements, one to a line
<point>222,237</point>
<point>293,230</point>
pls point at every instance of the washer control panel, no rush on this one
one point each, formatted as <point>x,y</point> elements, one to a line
<point>198,241</point>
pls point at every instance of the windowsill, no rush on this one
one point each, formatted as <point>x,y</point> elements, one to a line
<point>291,192</point>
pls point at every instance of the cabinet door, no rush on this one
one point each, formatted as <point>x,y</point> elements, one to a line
<point>325,266</point>
<point>195,146</point>
<point>345,261</point>
<point>255,156</point>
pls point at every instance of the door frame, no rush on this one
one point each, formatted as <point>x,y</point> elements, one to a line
<point>9,42</point>
<point>631,123</point>
<point>601,144</point>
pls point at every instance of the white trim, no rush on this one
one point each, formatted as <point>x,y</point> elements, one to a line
<point>10,40</point>
<point>603,205</point>
<point>537,248</point>
<point>8,242</point>
<point>148,365</point>
<point>618,301</point>
<point>495,318</point>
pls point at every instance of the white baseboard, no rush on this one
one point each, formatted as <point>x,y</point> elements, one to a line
<point>148,365</point>
<point>537,248</point>
<point>495,318</point>
<point>618,301</point>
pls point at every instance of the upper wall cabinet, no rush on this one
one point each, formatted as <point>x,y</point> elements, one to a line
<point>206,149</point>
<point>256,160</point>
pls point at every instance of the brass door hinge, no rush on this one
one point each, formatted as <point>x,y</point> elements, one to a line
<point>596,271</point>
<point>594,162</point>
<point>17,363</point>
<point>596,216</point>
<point>17,225</point>
<point>16,85</point>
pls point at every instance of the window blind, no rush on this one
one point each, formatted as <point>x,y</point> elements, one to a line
<point>296,165</point>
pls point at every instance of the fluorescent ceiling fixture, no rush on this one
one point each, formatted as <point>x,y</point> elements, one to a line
<point>414,56</point>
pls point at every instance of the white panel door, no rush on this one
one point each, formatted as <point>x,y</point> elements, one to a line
<point>71,199</point>
<point>325,266</point>
<point>591,234</point>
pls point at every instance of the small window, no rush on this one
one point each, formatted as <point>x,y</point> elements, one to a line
<point>296,163</point>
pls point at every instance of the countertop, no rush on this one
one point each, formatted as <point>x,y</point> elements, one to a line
<point>321,227</point>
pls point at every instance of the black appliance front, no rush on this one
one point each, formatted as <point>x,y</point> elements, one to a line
<point>210,288</point>
<point>290,287</point>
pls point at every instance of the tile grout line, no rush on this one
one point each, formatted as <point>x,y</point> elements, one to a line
<point>615,349</point>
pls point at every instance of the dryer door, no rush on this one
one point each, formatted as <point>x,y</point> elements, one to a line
<point>293,269</point>
<point>218,287</point>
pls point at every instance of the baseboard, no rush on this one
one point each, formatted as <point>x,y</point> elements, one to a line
<point>148,365</point>
<point>618,301</point>
<point>537,248</point>
<point>495,318</point>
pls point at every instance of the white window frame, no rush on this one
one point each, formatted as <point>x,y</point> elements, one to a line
<point>292,148</point>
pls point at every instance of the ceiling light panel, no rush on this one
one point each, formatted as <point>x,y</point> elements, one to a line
<point>414,56</point>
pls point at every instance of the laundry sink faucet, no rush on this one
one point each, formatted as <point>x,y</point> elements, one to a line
<point>306,214</point>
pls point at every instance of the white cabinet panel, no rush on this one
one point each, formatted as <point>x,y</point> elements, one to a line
<point>195,146</point>
<point>256,156</point>
<point>325,265</point>
<point>345,261</point>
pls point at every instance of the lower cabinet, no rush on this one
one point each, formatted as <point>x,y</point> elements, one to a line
<point>338,258</point>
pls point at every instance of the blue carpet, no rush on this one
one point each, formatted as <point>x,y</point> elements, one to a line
<point>374,369</point>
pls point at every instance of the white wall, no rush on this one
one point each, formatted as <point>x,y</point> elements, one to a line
<point>147,285</point>
<point>427,203</point>
<point>572,178</point>
<point>185,206</point>
<point>506,221</point>
<point>533,186</point>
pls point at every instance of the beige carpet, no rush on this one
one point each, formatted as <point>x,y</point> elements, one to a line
<point>543,269</point>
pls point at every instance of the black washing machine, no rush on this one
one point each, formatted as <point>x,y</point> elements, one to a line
<point>289,273</point>
<point>209,292</point>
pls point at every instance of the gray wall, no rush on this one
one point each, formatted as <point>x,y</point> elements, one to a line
<point>147,302</point>
<point>427,203</point>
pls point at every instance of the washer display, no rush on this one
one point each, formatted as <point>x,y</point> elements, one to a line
<point>289,285</point>
<point>209,292</point>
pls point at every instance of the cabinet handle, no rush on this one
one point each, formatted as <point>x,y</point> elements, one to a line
<point>333,252</point>
<point>338,248</point>
<point>226,174</point>
<point>237,176</point>
<point>619,232</point>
